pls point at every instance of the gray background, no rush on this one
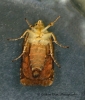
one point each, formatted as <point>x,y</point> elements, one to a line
<point>69,81</point>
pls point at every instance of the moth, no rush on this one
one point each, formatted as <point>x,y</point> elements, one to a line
<point>38,54</point>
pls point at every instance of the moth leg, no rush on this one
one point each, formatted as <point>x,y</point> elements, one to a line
<point>51,24</point>
<point>17,57</point>
<point>52,55</point>
<point>22,36</point>
<point>55,40</point>
<point>24,50</point>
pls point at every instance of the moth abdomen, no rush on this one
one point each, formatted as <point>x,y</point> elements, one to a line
<point>36,73</point>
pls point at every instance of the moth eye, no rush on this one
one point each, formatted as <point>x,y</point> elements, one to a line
<point>31,26</point>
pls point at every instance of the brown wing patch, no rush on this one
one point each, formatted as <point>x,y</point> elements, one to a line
<point>46,75</point>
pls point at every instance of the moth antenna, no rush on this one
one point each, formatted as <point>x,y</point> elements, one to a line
<point>28,23</point>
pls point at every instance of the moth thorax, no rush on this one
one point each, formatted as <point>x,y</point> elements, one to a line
<point>36,73</point>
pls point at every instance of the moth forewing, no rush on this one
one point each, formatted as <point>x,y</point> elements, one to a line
<point>37,55</point>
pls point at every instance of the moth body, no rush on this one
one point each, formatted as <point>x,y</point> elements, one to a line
<point>38,55</point>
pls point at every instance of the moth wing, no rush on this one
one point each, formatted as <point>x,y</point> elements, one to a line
<point>46,76</point>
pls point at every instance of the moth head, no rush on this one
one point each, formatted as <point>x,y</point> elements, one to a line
<point>39,25</point>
